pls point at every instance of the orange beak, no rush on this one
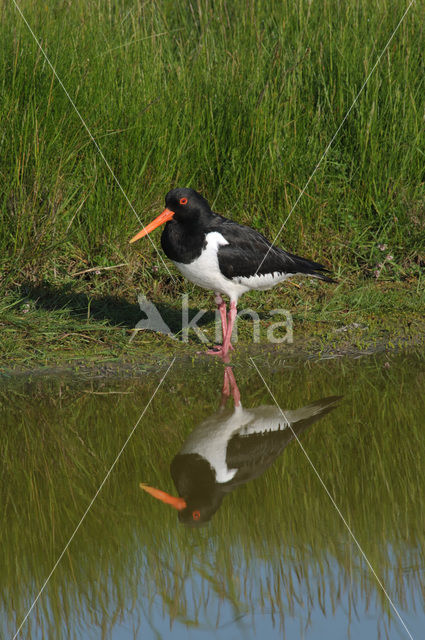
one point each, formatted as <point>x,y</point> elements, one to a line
<point>177,503</point>
<point>163,217</point>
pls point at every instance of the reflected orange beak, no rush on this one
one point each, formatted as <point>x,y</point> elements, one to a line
<point>163,217</point>
<point>177,503</point>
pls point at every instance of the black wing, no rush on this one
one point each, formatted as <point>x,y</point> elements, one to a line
<point>249,251</point>
<point>253,454</point>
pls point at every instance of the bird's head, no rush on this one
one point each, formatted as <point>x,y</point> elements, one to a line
<point>193,512</point>
<point>184,205</point>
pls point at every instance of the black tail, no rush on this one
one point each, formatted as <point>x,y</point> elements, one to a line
<point>310,268</point>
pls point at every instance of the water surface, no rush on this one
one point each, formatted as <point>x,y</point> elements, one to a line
<point>273,558</point>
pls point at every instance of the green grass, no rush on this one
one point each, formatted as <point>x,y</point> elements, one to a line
<point>238,100</point>
<point>73,325</point>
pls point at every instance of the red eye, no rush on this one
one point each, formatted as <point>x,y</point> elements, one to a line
<point>196,515</point>
<point>183,200</point>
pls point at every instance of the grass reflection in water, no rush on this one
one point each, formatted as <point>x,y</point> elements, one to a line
<point>276,544</point>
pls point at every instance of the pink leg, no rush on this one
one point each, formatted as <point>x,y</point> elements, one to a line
<point>222,308</point>
<point>218,349</point>
<point>230,322</point>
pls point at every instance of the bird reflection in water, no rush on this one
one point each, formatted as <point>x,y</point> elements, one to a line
<point>229,448</point>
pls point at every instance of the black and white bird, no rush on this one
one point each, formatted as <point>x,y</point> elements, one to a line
<point>222,255</point>
<point>230,448</point>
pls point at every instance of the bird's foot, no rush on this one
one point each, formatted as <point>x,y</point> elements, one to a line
<point>217,350</point>
<point>213,351</point>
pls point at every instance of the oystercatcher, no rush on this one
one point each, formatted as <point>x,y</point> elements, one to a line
<point>222,255</point>
<point>230,448</point>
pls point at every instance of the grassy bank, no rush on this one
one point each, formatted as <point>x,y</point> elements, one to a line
<point>238,100</point>
<point>55,326</point>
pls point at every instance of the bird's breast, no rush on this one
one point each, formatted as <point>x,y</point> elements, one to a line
<point>204,269</point>
<point>182,243</point>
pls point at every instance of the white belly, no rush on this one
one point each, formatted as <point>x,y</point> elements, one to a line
<point>205,272</point>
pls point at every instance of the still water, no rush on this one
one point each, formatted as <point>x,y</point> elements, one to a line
<point>248,543</point>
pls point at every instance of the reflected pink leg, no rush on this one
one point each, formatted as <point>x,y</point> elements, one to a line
<point>233,386</point>
<point>225,392</point>
<point>229,384</point>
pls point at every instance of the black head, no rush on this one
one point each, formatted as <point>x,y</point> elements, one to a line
<point>188,205</point>
<point>195,481</point>
<point>200,511</point>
